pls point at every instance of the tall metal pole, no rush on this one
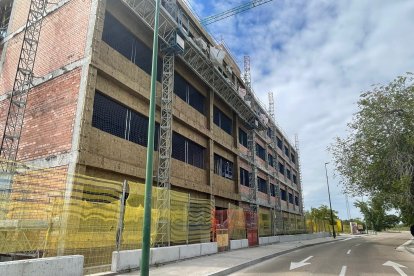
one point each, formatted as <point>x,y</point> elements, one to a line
<point>146,232</point>
<point>330,204</point>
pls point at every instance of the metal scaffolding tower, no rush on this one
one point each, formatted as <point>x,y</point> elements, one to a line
<point>271,106</point>
<point>251,138</point>
<point>174,46</point>
<point>299,172</point>
<point>22,85</point>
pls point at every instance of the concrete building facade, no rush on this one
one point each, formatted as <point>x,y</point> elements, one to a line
<point>88,111</point>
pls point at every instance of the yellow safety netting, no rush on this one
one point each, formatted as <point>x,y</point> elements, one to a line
<point>237,222</point>
<point>134,217</point>
<point>199,220</point>
<point>179,225</point>
<point>48,212</point>
<point>265,222</point>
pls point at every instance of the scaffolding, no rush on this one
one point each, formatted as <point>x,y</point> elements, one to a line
<point>271,106</point>
<point>173,47</point>
<point>22,85</point>
<point>172,23</point>
<point>194,57</point>
<point>301,203</point>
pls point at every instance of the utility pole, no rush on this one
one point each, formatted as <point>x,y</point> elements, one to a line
<point>330,204</point>
<point>146,231</point>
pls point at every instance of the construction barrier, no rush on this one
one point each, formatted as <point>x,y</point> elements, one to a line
<point>46,212</point>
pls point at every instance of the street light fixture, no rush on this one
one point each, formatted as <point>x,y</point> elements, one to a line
<point>330,204</point>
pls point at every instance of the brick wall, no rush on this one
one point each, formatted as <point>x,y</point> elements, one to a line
<point>49,119</point>
<point>51,106</point>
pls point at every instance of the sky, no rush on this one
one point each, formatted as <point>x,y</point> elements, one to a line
<point>317,56</point>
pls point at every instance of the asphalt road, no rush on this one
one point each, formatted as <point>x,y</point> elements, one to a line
<point>364,255</point>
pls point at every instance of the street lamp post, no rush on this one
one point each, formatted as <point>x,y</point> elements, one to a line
<point>330,204</point>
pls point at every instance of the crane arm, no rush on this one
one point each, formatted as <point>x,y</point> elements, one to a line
<point>236,10</point>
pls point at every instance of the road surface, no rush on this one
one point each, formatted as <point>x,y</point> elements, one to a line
<point>363,255</point>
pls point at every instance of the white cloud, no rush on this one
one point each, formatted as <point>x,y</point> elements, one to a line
<point>317,56</point>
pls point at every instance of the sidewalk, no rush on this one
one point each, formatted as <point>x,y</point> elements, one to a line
<point>228,262</point>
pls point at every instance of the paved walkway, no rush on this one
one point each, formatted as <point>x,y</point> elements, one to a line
<point>227,262</point>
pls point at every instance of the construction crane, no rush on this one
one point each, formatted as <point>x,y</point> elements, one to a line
<point>231,12</point>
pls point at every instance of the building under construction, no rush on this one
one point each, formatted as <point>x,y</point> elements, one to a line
<point>74,104</point>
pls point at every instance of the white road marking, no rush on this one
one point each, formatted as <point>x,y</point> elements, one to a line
<point>358,244</point>
<point>349,252</point>
<point>343,271</point>
<point>396,266</point>
<point>294,265</point>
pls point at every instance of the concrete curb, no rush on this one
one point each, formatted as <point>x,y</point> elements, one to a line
<point>410,247</point>
<point>233,269</point>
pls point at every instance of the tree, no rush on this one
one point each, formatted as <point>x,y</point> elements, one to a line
<point>375,214</point>
<point>390,221</point>
<point>322,213</point>
<point>377,156</point>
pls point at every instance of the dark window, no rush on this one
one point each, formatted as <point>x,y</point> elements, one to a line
<point>195,154</point>
<point>123,41</point>
<point>296,201</point>
<point>290,198</point>
<point>287,151</point>
<point>187,151</point>
<point>109,116</point>
<point>243,137</point>
<point>244,177</point>
<point>270,160</point>
<point>273,190</point>
<point>283,194</point>
<point>281,168</point>
<point>269,132</point>
<point>188,93</point>
<point>261,152</point>
<point>180,87</point>
<point>223,167</point>
<point>288,173</point>
<point>196,99</point>
<point>221,120</point>
<point>178,147</point>
<point>293,158</point>
<point>5,12</point>
<point>295,179</point>
<point>279,143</point>
<point>139,130</point>
<point>118,120</point>
<point>262,185</point>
